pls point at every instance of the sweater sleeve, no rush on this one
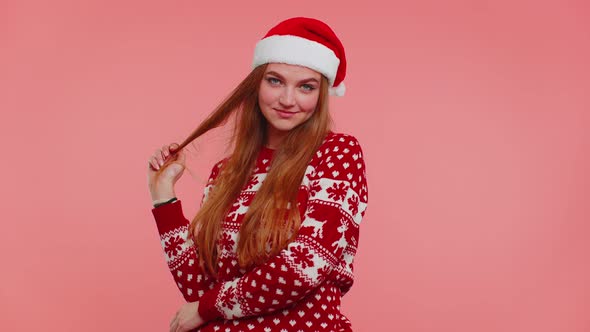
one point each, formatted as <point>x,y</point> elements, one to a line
<point>337,200</point>
<point>180,251</point>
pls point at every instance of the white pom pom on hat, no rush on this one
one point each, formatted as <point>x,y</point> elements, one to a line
<point>306,42</point>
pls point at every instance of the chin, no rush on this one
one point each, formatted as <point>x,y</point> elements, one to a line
<point>283,126</point>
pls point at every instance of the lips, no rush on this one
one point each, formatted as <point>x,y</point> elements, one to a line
<point>276,109</point>
<point>285,114</point>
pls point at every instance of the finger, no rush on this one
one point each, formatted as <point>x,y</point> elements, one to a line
<point>173,323</point>
<point>180,158</point>
<point>180,153</point>
<point>151,165</point>
<point>158,157</point>
<point>154,163</point>
<point>167,153</point>
<point>177,327</point>
<point>164,152</point>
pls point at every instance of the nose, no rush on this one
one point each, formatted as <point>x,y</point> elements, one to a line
<point>287,97</point>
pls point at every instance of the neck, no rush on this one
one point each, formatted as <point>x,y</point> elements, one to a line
<point>275,137</point>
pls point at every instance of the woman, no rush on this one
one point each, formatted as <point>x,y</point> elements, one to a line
<point>249,261</point>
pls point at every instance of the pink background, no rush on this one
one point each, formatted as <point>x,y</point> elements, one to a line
<point>473,115</point>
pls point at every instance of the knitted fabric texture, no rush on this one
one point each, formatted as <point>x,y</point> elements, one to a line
<point>300,289</point>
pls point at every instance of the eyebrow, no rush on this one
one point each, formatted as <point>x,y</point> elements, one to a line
<point>302,81</point>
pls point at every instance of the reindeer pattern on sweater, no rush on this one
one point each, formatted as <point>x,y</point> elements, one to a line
<point>301,288</point>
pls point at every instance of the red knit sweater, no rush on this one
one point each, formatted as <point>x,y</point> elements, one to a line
<point>300,288</point>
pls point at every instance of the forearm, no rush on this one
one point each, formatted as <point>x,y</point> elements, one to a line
<point>180,251</point>
<point>162,192</point>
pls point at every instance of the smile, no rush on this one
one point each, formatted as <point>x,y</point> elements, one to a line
<point>284,114</point>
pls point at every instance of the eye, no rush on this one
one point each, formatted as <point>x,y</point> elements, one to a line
<point>272,80</point>
<point>308,87</point>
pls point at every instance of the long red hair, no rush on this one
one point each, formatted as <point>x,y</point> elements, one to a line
<point>268,225</point>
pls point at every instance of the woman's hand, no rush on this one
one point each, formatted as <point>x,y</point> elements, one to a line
<point>187,318</point>
<point>165,167</point>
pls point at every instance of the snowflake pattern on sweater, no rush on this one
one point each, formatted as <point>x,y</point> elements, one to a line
<point>299,289</point>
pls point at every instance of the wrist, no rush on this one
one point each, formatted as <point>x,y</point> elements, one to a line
<point>163,202</point>
<point>198,314</point>
<point>163,194</point>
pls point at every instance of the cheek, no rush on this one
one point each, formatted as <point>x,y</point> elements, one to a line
<point>266,96</point>
<point>309,103</point>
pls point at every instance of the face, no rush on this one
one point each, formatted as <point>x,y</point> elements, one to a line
<point>288,97</point>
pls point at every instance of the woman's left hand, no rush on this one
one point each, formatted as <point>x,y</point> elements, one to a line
<point>187,318</point>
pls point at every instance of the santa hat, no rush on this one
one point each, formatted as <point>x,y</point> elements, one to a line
<point>306,42</point>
